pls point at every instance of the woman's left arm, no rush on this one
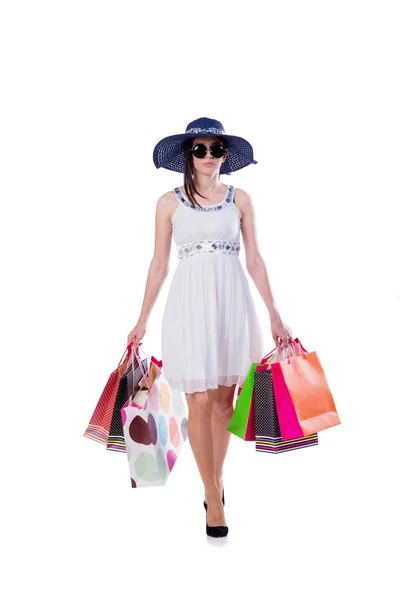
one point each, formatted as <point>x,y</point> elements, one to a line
<point>256,267</point>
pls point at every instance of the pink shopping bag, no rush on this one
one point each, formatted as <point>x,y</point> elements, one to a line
<point>288,421</point>
<point>287,416</point>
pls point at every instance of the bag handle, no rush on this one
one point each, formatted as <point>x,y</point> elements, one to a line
<point>299,345</point>
<point>267,355</point>
<point>126,351</point>
<point>297,341</point>
<point>134,349</point>
<point>135,353</point>
<point>272,358</point>
<point>151,359</point>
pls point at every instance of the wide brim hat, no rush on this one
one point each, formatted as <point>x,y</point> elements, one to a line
<point>169,154</point>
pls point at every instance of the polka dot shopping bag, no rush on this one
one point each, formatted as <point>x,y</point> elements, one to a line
<point>155,428</point>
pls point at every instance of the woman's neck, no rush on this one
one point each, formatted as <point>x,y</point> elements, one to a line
<point>206,185</point>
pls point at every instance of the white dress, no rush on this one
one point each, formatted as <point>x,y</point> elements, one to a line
<point>211,332</point>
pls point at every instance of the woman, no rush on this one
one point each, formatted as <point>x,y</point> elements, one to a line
<point>210,329</point>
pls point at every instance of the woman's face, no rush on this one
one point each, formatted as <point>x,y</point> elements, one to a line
<point>208,165</point>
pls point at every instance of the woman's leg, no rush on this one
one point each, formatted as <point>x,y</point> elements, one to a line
<point>201,440</point>
<point>222,409</point>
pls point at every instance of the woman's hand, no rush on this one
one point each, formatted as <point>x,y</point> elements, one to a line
<point>280,332</point>
<point>137,334</point>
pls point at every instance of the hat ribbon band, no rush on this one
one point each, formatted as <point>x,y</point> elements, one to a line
<point>209,130</point>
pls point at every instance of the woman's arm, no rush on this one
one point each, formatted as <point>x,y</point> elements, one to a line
<point>159,265</point>
<point>256,267</point>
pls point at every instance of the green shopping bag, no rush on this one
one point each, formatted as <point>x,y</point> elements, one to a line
<point>242,420</point>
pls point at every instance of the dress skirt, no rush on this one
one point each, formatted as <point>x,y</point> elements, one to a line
<point>210,329</point>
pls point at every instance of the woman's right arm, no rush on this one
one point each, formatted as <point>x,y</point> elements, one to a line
<point>159,265</point>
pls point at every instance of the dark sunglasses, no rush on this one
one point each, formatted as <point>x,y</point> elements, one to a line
<point>200,150</point>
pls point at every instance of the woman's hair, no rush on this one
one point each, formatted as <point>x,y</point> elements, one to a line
<point>188,182</point>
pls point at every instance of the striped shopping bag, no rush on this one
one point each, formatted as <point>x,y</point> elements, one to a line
<point>100,421</point>
<point>268,434</point>
<point>128,385</point>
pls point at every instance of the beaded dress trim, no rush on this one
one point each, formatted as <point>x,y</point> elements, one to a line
<point>226,201</point>
<point>192,248</point>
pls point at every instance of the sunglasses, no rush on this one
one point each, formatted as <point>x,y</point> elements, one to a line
<point>200,150</point>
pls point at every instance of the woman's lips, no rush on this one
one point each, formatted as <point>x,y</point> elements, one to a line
<point>208,164</point>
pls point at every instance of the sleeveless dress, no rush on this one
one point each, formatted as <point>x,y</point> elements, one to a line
<point>211,332</point>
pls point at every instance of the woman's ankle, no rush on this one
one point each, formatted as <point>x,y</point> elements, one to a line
<point>214,491</point>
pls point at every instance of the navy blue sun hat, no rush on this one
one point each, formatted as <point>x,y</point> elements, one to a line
<point>168,152</point>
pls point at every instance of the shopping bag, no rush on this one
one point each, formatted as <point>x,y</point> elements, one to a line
<point>154,432</point>
<point>99,424</point>
<point>242,419</point>
<point>267,427</point>
<point>309,391</point>
<point>128,386</point>
<point>288,422</point>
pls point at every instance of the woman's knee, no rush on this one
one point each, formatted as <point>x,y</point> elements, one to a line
<point>198,401</point>
<point>222,401</point>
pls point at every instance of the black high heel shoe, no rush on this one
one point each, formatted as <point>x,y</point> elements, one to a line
<point>216,530</point>
<point>223,499</point>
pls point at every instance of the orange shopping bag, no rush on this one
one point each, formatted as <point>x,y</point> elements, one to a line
<point>309,391</point>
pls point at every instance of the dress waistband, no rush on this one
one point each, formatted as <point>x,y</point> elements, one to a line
<point>191,248</point>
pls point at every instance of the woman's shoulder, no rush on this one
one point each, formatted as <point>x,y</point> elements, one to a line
<point>241,194</point>
<point>242,200</point>
<point>167,203</point>
<point>168,199</point>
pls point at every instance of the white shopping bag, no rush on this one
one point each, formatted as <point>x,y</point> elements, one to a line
<point>155,429</point>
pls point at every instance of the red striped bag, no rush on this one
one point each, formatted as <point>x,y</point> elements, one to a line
<point>99,424</point>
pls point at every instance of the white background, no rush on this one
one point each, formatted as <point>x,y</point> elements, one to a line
<point>87,90</point>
